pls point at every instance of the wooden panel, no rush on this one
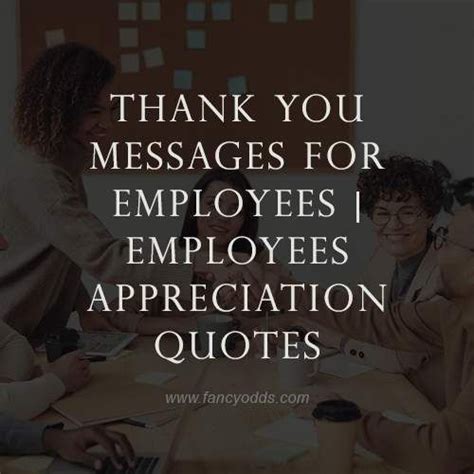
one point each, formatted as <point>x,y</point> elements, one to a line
<point>301,57</point>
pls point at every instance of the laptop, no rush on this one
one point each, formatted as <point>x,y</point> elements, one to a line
<point>100,344</point>
<point>143,465</point>
<point>104,344</point>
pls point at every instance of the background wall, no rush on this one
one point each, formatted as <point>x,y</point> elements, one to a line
<point>414,63</point>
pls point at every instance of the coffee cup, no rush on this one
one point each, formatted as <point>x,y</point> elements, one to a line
<point>296,372</point>
<point>219,325</point>
<point>336,422</point>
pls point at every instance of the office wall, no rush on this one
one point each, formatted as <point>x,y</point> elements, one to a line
<point>414,65</point>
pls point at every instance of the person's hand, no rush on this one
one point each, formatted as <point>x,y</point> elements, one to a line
<point>73,446</point>
<point>72,369</point>
<point>94,321</point>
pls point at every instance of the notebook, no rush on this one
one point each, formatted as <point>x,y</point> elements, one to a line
<point>108,399</point>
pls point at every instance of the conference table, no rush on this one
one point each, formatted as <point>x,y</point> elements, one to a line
<point>216,437</point>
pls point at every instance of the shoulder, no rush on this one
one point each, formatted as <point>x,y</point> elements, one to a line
<point>32,179</point>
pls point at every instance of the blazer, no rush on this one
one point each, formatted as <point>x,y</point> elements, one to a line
<point>437,326</point>
<point>424,285</point>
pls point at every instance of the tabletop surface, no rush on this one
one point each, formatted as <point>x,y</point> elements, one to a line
<point>220,437</point>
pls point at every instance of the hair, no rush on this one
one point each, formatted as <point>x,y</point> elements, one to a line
<point>405,177</point>
<point>238,181</point>
<point>54,94</point>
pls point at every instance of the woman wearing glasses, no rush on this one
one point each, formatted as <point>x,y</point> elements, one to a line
<point>442,325</point>
<point>402,201</point>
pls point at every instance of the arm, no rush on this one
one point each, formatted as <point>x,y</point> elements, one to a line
<point>20,437</point>
<point>439,447</point>
<point>27,438</point>
<point>16,397</point>
<point>17,359</point>
<point>55,207</point>
<point>402,326</point>
<point>153,322</point>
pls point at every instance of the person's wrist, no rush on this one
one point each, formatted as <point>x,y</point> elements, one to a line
<point>51,439</point>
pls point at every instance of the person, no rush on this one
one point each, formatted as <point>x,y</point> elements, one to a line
<point>223,230</point>
<point>32,438</point>
<point>442,324</point>
<point>20,376</point>
<point>402,200</point>
<point>62,106</point>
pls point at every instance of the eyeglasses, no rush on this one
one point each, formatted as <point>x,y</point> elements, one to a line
<point>440,237</point>
<point>405,215</point>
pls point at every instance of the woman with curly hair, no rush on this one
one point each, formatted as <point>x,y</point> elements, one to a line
<point>62,105</point>
<point>402,200</point>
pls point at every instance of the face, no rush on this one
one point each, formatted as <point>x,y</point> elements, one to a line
<point>222,228</point>
<point>455,260</point>
<point>406,235</point>
<point>96,123</point>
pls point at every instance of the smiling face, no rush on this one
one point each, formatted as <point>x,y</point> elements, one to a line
<point>404,236</point>
<point>96,123</point>
<point>455,260</point>
<point>222,228</point>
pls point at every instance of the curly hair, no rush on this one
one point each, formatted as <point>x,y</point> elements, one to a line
<point>59,88</point>
<point>404,177</point>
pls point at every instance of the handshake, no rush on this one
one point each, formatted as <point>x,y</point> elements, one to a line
<point>241,286</point>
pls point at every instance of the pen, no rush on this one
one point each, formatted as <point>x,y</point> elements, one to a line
<point>95,358</point>
<point>141,424</point>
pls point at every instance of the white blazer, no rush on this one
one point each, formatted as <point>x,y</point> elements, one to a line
<point>423,286</point>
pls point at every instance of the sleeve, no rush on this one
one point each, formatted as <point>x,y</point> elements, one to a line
<point>63,219</point>
<point>17,359</point>
<point>20,437</point>
<point>444,446</point>
<point>388,360</point>
<point>83,300</point>
<point>402,326</point>
<point>16,397</point>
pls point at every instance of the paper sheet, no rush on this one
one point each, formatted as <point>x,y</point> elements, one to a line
<point>127,11</point>
<point>196,11</point>
<point>155,378</point>
<point>183,79</point>
<point>221,10</point>
<point>278,453</point>
<point>128,37</point>
<point>151,10</point>
<point>278,13</point>
<point>130,62</point>
<point>342,366</point>
<point>153,57</point>
<point>237,85</point>
<point>54,37</point>
<point>304,10</point>
<point>290,429</point>
<point>196,39</point>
